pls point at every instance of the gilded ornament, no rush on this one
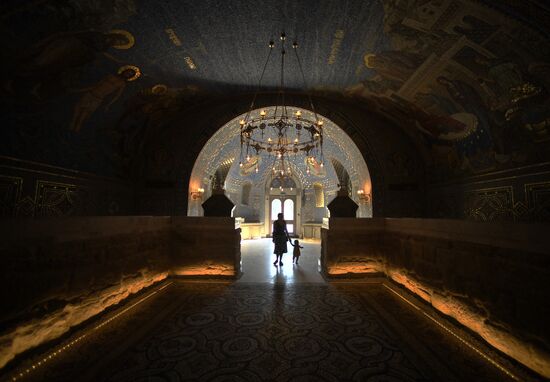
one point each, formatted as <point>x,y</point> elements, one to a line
<point>366,59</point>
<point>159,89</point>
<point>129,37</point>
<point>137,72</point>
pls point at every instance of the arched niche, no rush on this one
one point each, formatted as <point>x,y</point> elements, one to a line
<point>319,194</point>
<point>224,147</point>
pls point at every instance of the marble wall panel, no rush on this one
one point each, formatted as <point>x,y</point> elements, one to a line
<point>29,189</point>
<point>56,273</point>
<point>490,277</point>
<point>520,195</point>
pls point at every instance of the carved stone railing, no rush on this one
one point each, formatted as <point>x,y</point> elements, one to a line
<point>57,273</point>
<point>490,277</point>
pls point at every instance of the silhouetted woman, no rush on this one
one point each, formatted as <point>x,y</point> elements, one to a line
<point>280,237</point>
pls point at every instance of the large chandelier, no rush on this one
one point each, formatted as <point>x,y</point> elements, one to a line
<point>278,133</point>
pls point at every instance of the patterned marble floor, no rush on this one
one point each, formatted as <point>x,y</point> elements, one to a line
<point>210,331</point>
<point>257,263</point>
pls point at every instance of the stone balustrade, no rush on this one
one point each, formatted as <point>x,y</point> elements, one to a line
<point>57,273</point>
<point>311,230</point>
<point>205,247</point>
<point>252,230</point>
<point>491,277</point>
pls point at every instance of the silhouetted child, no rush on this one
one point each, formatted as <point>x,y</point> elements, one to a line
<point>296,252</point>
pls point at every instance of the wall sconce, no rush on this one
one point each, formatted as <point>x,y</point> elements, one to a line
<point>363,198</point>
<point>197,195</point>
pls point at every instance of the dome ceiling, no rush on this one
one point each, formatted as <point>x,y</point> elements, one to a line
<point>215,45</point>
<point>222,149</point>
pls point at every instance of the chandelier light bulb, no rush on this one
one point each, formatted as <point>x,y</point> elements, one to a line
<point>269,140</point>
<point>240,164</point>
<point>290,188</point>
<point>248,158</point>
<point>295,140</point>
<point>257,170</point>
<point>262,113</point>
<point>298,114</point>
<point>322,165</point>
<point>241,122</point>
<point>320,123</point>
<point>279,155</point>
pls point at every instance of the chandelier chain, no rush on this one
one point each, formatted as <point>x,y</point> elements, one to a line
<point>281,135</point>
<point>259,82</point>
<point>304,80</point>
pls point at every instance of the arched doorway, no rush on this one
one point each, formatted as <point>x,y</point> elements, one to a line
<point>283,199</point>
<point>223,147</point>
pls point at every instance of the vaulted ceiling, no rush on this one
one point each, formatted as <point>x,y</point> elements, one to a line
<point>66,105</point>
<point>220,44</point>
<point>216,44</point>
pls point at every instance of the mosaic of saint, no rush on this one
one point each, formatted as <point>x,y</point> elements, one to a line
<point>470,83</point>
<point>89,84</point>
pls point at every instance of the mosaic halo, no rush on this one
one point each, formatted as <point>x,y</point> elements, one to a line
<point>131,39</point>
<point>137,72</point>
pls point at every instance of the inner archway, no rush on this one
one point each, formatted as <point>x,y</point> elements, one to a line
<point>284,197</point>
<point>249,186</point>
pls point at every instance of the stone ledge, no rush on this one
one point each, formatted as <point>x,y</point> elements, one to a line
<point>492,278</point>
<point>83,265</point>
<point>522,236</point>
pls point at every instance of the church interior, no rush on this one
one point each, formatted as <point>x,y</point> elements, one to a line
<point>150,151</point>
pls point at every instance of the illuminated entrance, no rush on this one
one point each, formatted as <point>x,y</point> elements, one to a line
<point>282,199</point>
<point>257,196</point>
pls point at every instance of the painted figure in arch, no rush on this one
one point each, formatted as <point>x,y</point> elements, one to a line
<point>49,59</point>
<point>394,65</point>
<point>95,95</point>
<point>503,77</point>
<point>470,100</point>
<point>376,85</point>
<point>439,126</point>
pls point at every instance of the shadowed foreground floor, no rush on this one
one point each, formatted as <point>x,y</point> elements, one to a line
<point>259,332</point>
